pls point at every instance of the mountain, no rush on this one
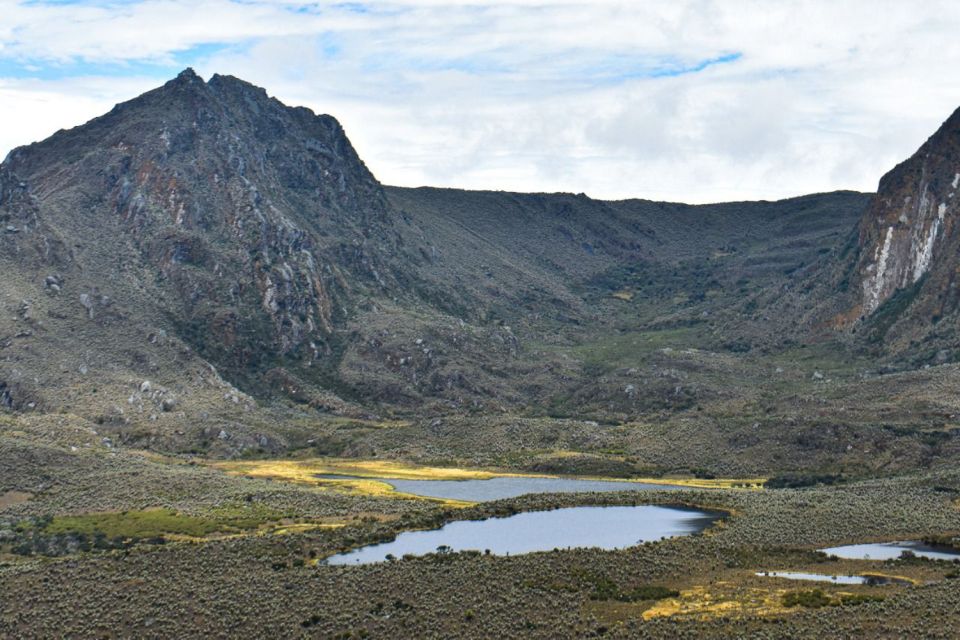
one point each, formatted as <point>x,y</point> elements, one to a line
<point>237,206</point>
<point>205,268</point>
<point>203,211</point>
<point>906,269</point>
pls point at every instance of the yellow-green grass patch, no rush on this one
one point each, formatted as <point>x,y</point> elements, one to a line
<point>149,523</point>
<point>366,476</point>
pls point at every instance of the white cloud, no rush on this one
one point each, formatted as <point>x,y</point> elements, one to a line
<point>546,96</point>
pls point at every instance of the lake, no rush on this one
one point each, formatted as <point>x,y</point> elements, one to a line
<point>572,527</point>
<point>891,551</point>
<point>500,488</point>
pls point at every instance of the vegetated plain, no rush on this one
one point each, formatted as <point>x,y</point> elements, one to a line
<point>179,397</point>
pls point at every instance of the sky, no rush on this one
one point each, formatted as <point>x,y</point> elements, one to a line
<point>682,100</point>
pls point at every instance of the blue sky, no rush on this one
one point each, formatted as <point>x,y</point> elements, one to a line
<point>692,100</point>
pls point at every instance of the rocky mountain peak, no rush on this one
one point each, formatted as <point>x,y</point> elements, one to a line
<point>188,75</point>
<point>252,223</point>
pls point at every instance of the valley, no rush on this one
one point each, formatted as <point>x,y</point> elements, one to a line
<point>229,354</point>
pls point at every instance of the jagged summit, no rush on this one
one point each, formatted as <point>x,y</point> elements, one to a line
<point>188,74</point>
<point>189,77</point>
<point>187,114</point>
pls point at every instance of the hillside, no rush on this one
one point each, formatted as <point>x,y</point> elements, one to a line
<point>204,269</point>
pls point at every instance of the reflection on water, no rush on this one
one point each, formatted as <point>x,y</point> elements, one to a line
<point>819,577</point>
<point>601,527</point>
<point>505,487</point>
<point>891,551</point>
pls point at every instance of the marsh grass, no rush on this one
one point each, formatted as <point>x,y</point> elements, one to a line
<point>369,473</point>
<point>150,523</point>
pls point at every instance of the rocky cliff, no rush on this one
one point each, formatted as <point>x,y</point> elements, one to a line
<point>907,268</point>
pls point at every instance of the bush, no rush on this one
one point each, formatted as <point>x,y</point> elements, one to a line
<point>855,599</point>
<point>811,599</point>
<point>648,593</point>
<point>605,589</point>
<point>798,480</point>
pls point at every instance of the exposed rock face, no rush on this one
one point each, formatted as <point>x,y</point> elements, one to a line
<point>254,219</point>
<point>910,230</point>
<point>23,232</point>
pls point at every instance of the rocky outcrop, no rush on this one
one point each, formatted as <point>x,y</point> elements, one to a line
<point>24,233</point>
<point>908,231</point>
<point>906,271</point>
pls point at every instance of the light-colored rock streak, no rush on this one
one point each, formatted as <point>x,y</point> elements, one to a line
<point>874,287</point>
<point>925,255</point>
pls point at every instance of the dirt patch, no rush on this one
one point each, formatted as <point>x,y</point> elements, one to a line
<point>11,498</point>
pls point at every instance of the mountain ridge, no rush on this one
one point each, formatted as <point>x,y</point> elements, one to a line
<point>237,255</point>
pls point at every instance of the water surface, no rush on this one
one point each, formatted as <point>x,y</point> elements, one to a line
<point>891,551</point>
<point>499,488</point>
<point>601,527</point>
<point>819,577</point>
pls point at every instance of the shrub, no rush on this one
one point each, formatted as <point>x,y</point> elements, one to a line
<point>811,599</point>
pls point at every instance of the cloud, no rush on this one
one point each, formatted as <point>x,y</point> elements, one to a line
<point>691,100</point>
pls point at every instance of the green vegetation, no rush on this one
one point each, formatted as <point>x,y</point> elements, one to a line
<point>157,522</point>
<point>813,599</point>
<point>816,598</point>
<point>65,535</point>
<point>797,480</point>
<point>632,348</point>
<point>859,598</point>
<point>605,589</point>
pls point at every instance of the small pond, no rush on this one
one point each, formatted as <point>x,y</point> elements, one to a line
<point>892,551</point>
<point>819,577</point>
<point>500,488</point>
<point>600,527</point>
